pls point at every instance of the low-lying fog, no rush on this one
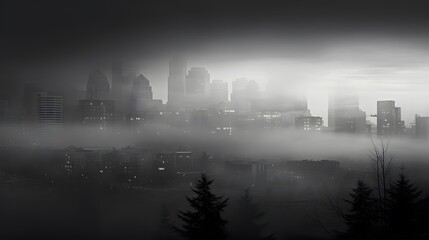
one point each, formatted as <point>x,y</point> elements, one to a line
<point>266,144</point>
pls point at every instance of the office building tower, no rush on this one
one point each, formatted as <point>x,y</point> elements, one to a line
<point>118,82</point>
<point>97,113</point>
<point>47,110</point>
<point>422,127</point>
<point>344,115</point>
<point>400,125</point>
<point>389,121</point>
<point>141,94</point>
<point>197,83</point>
<point>97,109</point>
<point>309,123</point>
<point>176,80</point>
<point>97,86</point>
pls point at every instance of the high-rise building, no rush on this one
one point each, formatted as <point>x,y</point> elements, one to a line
<point>47,110</point>
<point>97,109</point>
<point>97,86</point>
<point>344,115</point>
<point>98,113</point>
<point>118,85</point>
<point>422,127</point>
<point>141,94</point>
<point>218,91</point>
<point>142,106</point>
<point>309,123</point>
<point>198,83</point>
<point>176,80</point>
<point>389,121</point>
<point>400,124</point>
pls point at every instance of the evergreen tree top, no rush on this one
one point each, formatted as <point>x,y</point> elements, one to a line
<point>204,221</point>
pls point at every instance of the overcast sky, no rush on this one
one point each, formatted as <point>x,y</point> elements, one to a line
<point>377,49</point>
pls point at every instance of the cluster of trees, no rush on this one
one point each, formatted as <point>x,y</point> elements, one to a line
<point>205,221</point>
<point>390,210</point>
<point>402,216</point>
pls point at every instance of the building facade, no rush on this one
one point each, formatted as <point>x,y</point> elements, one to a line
<point>389,121</point>
<point>176,80</point>
<point>309,123</point>
<point>47,110</point>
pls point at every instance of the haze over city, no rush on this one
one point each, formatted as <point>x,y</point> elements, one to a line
<point>214,119</point>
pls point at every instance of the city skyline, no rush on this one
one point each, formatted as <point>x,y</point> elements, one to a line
<point>214,119</point>
<point>318,101</point>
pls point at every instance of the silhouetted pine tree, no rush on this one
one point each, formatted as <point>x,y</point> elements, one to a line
<point>205,220</point>
<point>248,222</point>
<point>403,204</point>
<point>361,220</point>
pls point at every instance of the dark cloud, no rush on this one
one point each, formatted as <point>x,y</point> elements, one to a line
<point>47,27</point>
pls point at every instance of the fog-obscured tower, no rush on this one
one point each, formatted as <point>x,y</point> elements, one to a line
<point>389,122</point>
<point>97,86</point>
<point>309,123</point>
<point>47,110</point>
<point>198,82</point>
<point>118,85</point>
<point>422,127</point>
<point>97,109</point>
<point>400,124</point>
<point>176,80</point>
<point>141,94</point>
<point>344,115</point>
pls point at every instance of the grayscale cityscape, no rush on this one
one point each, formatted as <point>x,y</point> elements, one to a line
<point>214,120</point>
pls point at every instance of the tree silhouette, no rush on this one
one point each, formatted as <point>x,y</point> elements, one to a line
<point>361,220</point>
<point>205,220</point>
<point>248,222</point>
<point>404,200</point>
<point>383,163</point>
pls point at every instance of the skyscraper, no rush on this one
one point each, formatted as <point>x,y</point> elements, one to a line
<point>400,125</point>
<point>97,86</point>
<point>218,91</point>
<point>309,123</point>
<point>422,127</point>
<point>96,113</point>
<point>176,80</point>
<point>118,85</point>
<point>97,109</point>
<point>198,82</point>
<point>344,115</point>
<point>141,94</point>
<point>389,121</point>
<point>47,110</point>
